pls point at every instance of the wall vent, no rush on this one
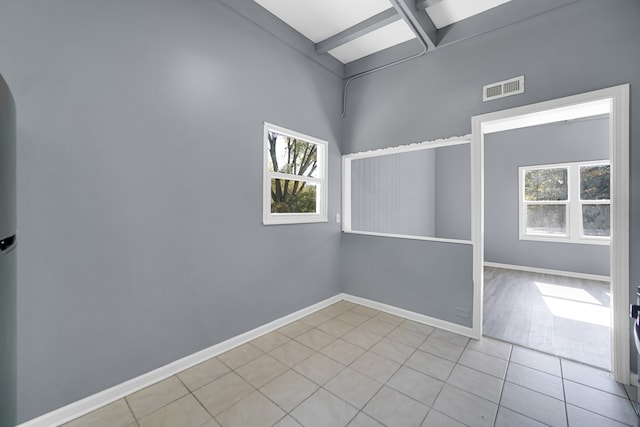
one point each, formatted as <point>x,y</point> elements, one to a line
<point>504,88</point>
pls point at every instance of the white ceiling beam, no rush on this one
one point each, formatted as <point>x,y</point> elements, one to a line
<point>418,20</point>
<point>365,27</point>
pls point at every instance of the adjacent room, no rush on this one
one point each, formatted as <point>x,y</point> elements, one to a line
<point>547,234</point>
<point>285,213</point>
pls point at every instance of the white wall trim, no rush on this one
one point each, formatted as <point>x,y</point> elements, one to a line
<point>618,99</point>
<point>424,145</point>
<point>548,271</point>
<point>409,237</point>
<point>411,315</point>
<point>102,398</point>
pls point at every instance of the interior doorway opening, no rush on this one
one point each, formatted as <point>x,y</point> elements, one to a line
<point>613,102</point>
<point>547,231</point>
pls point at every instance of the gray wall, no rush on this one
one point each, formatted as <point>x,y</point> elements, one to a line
<point>8,263</point>
<point>561,142</point>
<point>394,193</point>
<point>415,275</point>
<point>140,186</point>
<point>453,192</point>
<point>133,116</point>
<point>585,46</point>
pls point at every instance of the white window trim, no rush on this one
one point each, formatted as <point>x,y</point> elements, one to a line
<point>269,218</point>
<point>573,205</point>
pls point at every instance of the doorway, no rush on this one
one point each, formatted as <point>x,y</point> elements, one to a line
<point>615,102</point>
<point>546,237</point>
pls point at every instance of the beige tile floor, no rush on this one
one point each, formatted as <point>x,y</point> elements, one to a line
<point>352,365</point>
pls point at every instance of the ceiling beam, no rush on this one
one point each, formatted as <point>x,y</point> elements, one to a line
<point>498,17</point>
<point>423,4</point>
<point>418,20</point>
<point>381,58</point>
<point>365,27</point>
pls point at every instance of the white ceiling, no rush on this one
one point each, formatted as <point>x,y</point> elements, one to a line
<point>318,20</point>
<point>382,38</point>
<point>448,12</point>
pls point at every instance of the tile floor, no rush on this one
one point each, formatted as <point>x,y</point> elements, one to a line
<point>351,365</point>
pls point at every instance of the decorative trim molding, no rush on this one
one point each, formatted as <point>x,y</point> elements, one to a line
<point>442,142</point>
<point>548,271</point>
<point>95,401</point>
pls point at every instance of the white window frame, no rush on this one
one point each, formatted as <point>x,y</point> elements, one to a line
<point>574,226</point>
<point>320,181</point>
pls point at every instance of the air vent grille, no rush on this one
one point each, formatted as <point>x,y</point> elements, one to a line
<point>504,88</point>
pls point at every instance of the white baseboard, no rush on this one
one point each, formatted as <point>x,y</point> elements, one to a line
<point>91,403</point>
<point>548,271</point>
<point>411,315</point>
<point>102,398</point>
<point>105,397</point>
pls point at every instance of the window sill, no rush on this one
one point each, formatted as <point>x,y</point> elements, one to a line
<point>550,239</point>
<point>284,219</point>
<point>410,237</point>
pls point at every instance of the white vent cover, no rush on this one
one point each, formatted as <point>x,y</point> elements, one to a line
<point>504,88</point>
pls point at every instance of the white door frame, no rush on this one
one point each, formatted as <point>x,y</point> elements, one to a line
<point>618,98</point>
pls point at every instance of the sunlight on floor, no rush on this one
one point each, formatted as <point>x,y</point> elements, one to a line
<point>575,304</point>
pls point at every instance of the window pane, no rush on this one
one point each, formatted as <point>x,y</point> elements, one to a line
<point>545,184</point>
<point>290,196</point>
<point>596,220</point>
<point>292,155</point>
<point>547,219</point>
<point>594,182</point>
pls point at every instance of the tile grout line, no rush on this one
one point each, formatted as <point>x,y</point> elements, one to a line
<point>443,382</point>
<point>385,384</point>
<point>519,385</point>
<point>126,401</point>
<point>504,381</point>
<point>321,387</point>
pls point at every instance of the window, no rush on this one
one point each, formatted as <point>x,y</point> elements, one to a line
<point>567,202</point>
<point>295,177</point>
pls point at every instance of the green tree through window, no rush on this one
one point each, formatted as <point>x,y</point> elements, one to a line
<point>569,201</point>
<point>294,157</point>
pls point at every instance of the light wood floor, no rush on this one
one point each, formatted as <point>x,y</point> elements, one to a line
<point>559,315</point>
